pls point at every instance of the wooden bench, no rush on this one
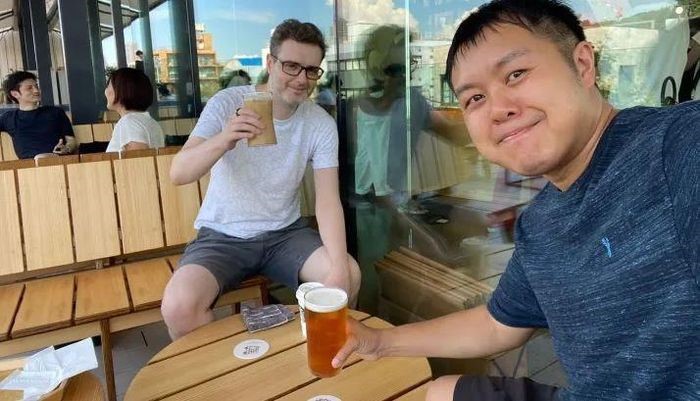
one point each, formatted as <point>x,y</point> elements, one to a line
<point>88,245</point>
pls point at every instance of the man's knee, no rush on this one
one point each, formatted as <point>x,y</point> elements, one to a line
<point>187,299</point>
<point>442,389</point>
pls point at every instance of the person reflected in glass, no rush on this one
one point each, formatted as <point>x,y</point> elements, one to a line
<point>250,221</point>
<point>37,131</point>
<point>327,92</point>
<point>129,92</point>
<point>607,256</point>
<point>387,205</point>
<point>382,125</point>
<point>229,79</point>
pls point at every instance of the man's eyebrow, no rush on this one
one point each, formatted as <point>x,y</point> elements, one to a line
<point>499,64</point>
<point>511,56</point>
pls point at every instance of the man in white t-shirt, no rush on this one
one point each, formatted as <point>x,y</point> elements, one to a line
<point>250,222</point>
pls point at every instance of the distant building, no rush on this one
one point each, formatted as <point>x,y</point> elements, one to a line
<point>165,61</point>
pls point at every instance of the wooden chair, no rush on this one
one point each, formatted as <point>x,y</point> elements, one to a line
<point>62,223</point>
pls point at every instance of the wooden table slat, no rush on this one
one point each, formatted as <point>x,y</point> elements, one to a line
<point>100,293</point>
<point>35,316</point>
<point>147,281</point>
<point>9,299</point>
<point>156,379</point>
<point>283,373</point>
<point>368,380</point>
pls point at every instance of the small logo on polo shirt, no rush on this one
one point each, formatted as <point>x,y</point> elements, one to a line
<point>608,246</point>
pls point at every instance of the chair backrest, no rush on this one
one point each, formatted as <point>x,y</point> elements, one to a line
<point>102,132</point>
<point>61,215</point>
<point>74,211</point>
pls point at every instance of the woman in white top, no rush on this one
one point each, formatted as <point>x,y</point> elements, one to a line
<point>129,92</point>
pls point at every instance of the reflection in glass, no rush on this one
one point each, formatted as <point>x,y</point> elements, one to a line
<point>233,37</point>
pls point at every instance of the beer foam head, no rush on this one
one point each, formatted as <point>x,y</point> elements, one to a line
<point>325,300</point>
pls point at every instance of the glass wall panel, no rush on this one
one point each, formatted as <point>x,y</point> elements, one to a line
<point>58,66</point>
<point>434,218</point>
<point>233,37</point>
<point>155,40</point>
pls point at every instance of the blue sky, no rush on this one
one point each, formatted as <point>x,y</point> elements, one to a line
<point>242,27</point>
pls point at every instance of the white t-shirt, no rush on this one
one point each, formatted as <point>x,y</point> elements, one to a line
<point>136,127</point>
<point>256,189</point>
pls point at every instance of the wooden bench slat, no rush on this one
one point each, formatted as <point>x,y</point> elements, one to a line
<point>10,237</point>
<point>139,209</point>
<point>94,210</point>
<point>180,204</point>
<point>168,127</point>
<point>47,304</point>
<point>147,281</point>
<point>9,299</point>
<point>8,149</point>
<point>45,217</point>
<point>184,126</point>
<point>174,261</point>
<point>100,293</point>
<point>83,133</point>
<point>102,132</point>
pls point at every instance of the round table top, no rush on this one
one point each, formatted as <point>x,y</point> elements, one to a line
<point>201,366</point>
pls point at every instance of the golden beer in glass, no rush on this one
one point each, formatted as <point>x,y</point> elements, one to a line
<point>326,311</point>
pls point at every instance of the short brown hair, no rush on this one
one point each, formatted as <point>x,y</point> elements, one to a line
<point>302,32</point>
<point>132,89</point>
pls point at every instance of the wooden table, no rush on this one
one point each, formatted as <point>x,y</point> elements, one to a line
<point>201,366</point>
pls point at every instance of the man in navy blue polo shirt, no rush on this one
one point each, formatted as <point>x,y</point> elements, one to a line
<point>607,256</point>
<point>35,130</point>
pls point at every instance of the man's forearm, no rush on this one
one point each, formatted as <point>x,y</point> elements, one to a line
<point>193,162</point>
<point>466,334</point>
<point>331,226</point>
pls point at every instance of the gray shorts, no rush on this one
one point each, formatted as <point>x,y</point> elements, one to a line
<point>278,255</point>
<point>482,388</point>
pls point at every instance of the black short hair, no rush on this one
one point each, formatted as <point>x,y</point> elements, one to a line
<point>552,19</point>
<point>302,32</point>
<point>13,81</point>
<point>139,53</point>
<point>132,88</point>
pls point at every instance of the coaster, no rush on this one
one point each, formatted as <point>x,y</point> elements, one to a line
<point>324,398</point>
<point>251,349</point>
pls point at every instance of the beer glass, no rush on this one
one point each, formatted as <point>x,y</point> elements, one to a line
<point>261,104</point>
<point>301,292</point>
<point>326,318</point>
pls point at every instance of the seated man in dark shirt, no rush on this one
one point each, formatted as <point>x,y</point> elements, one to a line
<point>607,256</point>
<point>36,131</point>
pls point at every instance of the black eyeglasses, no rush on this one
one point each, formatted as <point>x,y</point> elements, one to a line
<point>294,69</point>
<point>398,70</point>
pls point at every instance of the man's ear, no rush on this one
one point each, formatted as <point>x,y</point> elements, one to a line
<point>14,94</point>
<point>584,60</point>
<point>268,63</point>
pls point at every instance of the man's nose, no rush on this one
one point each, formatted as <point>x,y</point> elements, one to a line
<point>503,107</point>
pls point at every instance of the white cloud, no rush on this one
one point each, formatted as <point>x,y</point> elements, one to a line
<point>238,15</point>
<point>375,12</point>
